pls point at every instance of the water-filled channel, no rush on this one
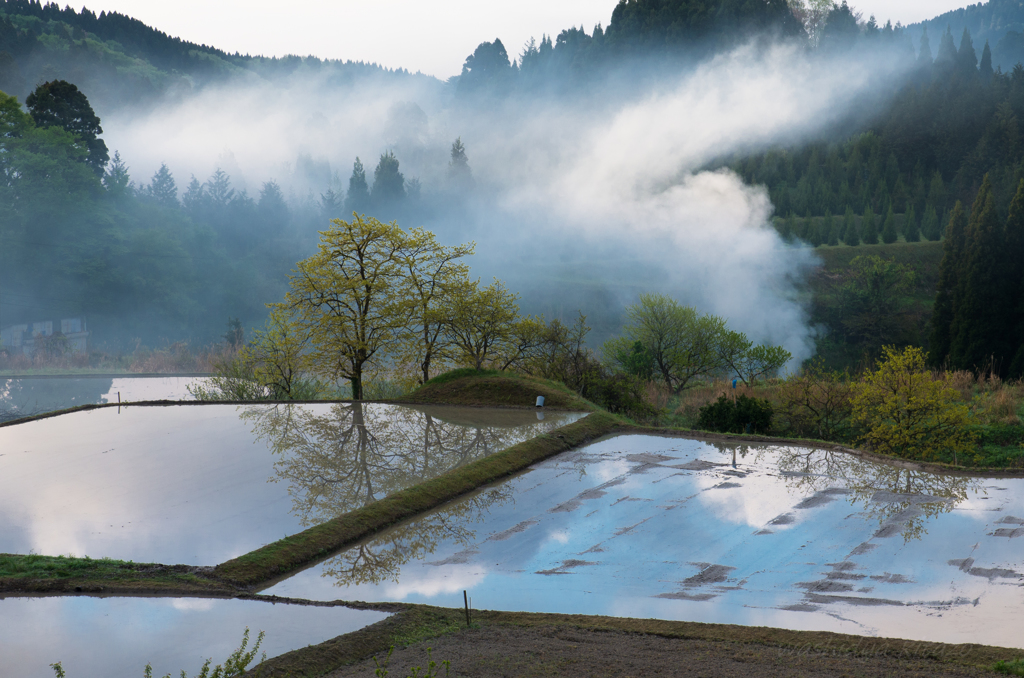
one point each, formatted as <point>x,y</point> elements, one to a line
<point>26,396</point>
<point>644,526</point>
<point>112,637</point>
<point>199,484</point>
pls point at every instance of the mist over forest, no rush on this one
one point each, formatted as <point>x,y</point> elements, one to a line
<point>650,155</point>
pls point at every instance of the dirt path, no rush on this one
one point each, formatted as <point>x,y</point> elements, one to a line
<point>514,651</point>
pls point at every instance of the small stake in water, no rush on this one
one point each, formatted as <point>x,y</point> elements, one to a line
<point>465,600</point>
<point>119,402</point>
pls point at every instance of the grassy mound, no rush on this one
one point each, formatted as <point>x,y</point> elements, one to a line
<point>490,388</point>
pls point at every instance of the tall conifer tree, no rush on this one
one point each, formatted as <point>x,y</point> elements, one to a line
<point>946,295</point>
<point>979,318</point>
<point>911,230</point>
<point>830,235</point>
<point>985,67</point>
<point>930,224</point>
<point>1013,290</point>
<point>889,232</point>
<point>868,227</point>
<point>851,234</point>
<point>358,197</point>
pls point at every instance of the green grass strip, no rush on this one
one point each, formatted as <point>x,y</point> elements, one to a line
<point>291,553</point>
<point>58,574</point>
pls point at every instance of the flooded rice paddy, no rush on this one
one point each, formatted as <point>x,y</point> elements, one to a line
<point>107,637</point>
<point>27,396</point>
<point>644,526</point>
<point>200,484</point>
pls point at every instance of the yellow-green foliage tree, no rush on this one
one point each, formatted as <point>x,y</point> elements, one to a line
<point>348,298</point>
<point>278,357</point>
<point>435,277</point>
<point>906,411</point>
<point>483,323</point>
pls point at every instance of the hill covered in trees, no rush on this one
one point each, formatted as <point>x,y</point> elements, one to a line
<point>121,61</point>
<point>181,256</point>
<point>997,22</point>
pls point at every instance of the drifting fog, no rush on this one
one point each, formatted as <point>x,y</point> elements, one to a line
<point>580,201</point>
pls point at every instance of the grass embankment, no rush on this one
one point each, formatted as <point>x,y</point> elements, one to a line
<point>758,650</point>
<point>490,388</point>
<point>291,553</point>
<point>66,574</point>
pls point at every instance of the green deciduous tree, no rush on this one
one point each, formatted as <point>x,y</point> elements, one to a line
<point>686,346</point>
<point>58,103</point>
<point>872,302</point>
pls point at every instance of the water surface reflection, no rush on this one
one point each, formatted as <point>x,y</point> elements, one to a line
<point>353,454</point>
<point>648,526</point>
<point>200,484</point>
<point>110,637</point>
<point>27,396</point>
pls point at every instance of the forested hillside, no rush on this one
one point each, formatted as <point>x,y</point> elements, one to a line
<point>171,257</point>
<point>120,61</point>
<point>997,22</point>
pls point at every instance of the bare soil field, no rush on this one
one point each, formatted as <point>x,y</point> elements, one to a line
<point>505,651</point>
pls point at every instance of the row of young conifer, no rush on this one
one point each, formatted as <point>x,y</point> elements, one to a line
<point>867,228</point>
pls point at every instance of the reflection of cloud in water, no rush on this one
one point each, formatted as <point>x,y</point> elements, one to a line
<point>433,582</point>
<point>804,539</point>
<point>755,502</point>
<point>192,604</point>
<point>559,536</point>
<point>189,484</point>
<point>609,470</point>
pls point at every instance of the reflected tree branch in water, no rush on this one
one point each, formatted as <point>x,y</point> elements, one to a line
<point>381,558</point>
<point>354,453</point>
<point>892,494</point>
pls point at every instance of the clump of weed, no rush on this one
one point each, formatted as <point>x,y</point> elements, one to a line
<point>1014,667</point>
<point>414,672</point>
<point>234,666</point>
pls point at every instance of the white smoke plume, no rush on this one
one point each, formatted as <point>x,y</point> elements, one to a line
<point>611,183</point>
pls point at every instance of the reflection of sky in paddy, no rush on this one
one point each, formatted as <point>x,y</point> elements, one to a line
<point>646,526</point>
<point>200,484</point>
<point>110,637</point>
<point>24,396</point>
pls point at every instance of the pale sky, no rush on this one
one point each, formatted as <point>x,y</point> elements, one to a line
<point>433,37</point>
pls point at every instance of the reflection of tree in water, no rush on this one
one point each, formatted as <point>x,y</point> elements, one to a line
<point>903,498</point>
<point>355,453</point>
<point>25,397</point>
<point>381,558</point>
